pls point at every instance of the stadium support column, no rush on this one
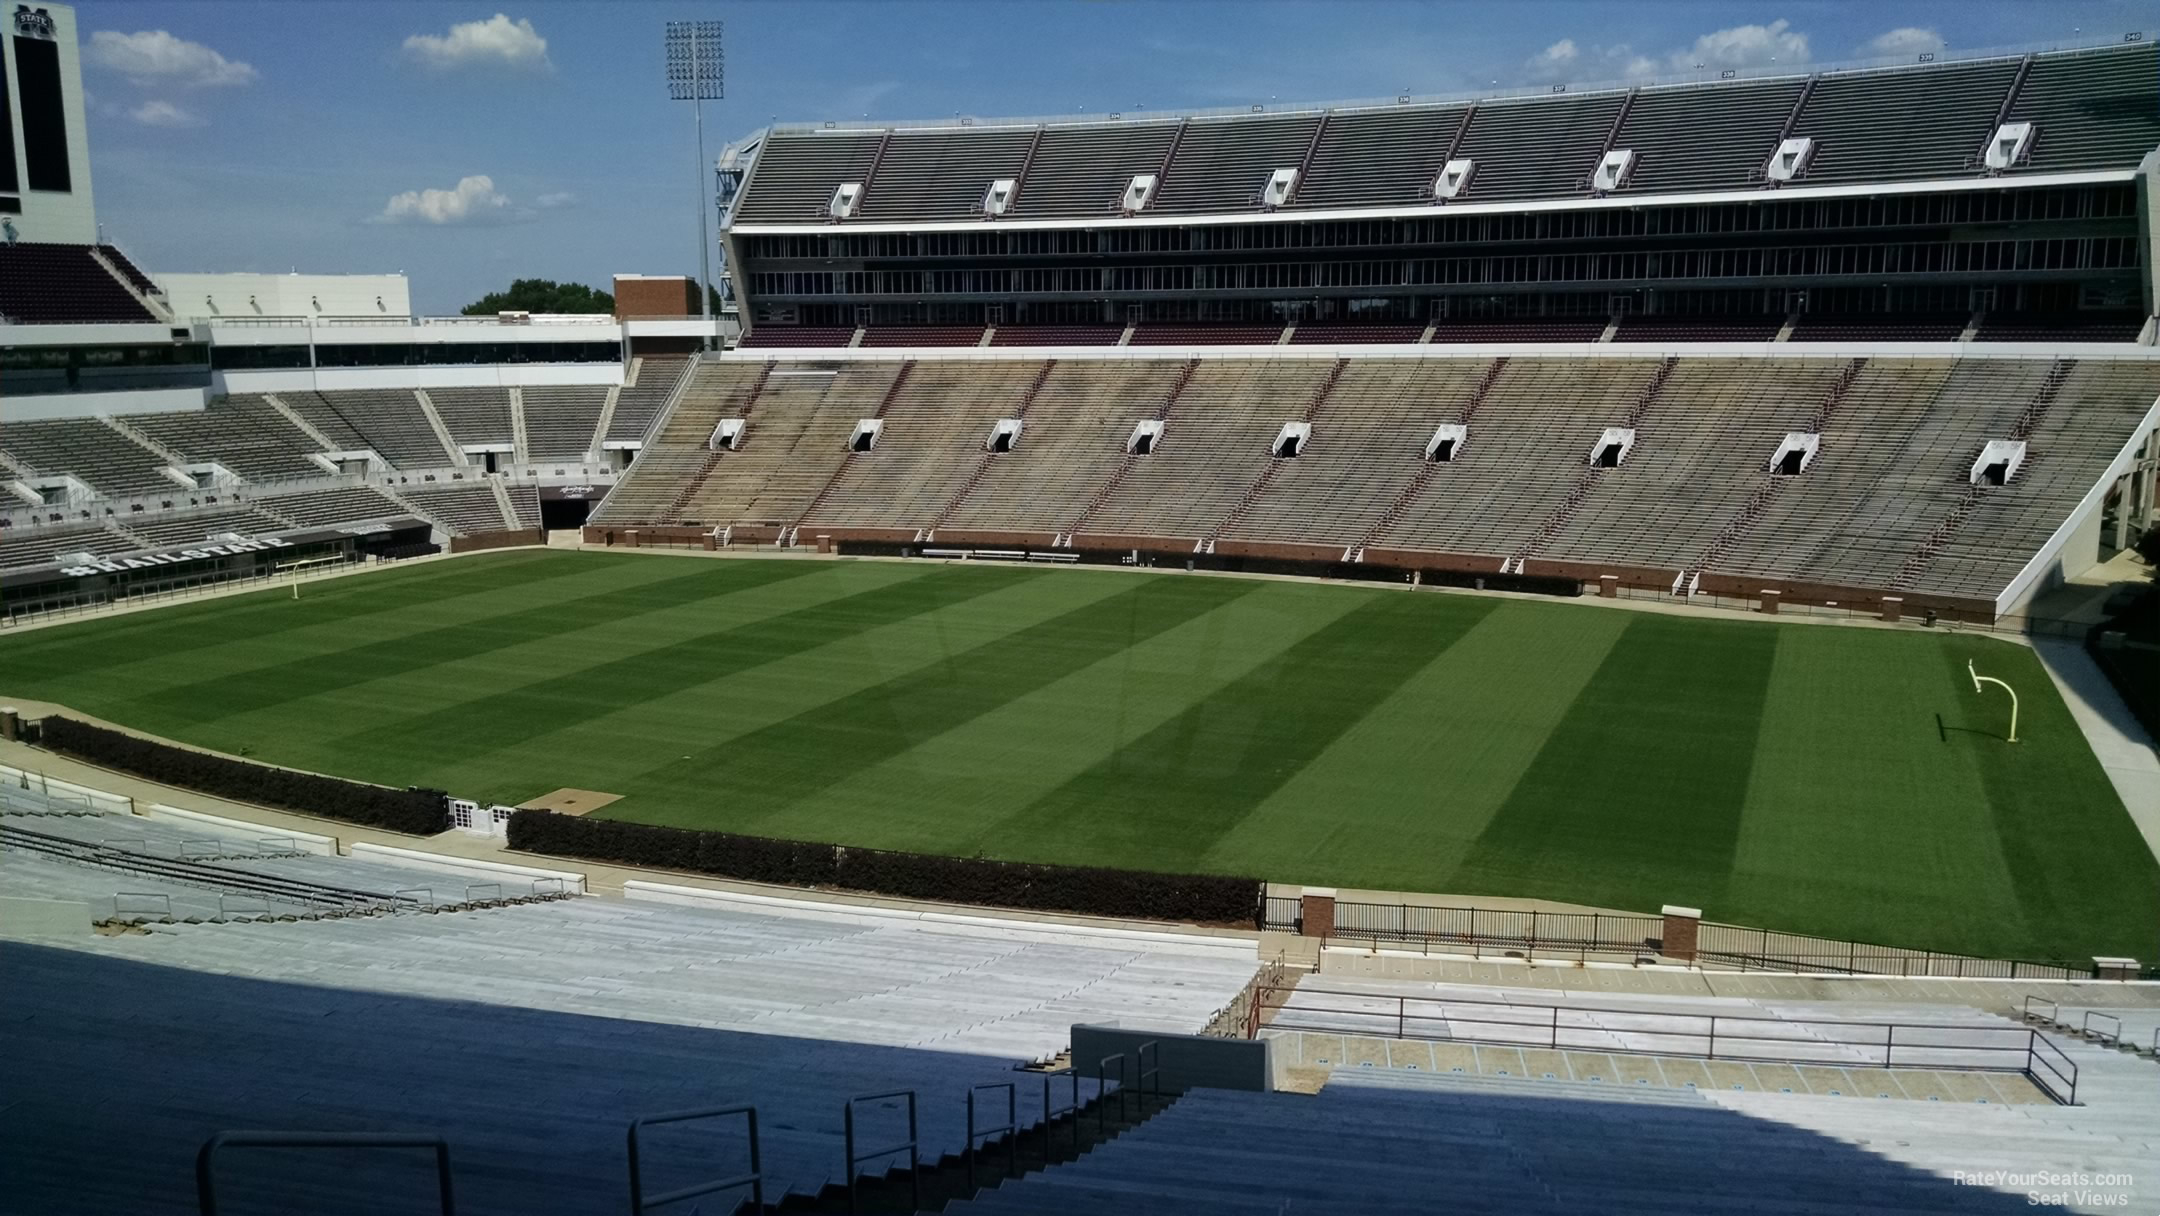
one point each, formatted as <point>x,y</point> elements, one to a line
<point>1316,912</point>
<point>1681,927</point>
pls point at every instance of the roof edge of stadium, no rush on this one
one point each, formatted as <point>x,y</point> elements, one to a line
<point>1509,93</point>
<point>1197,219</point>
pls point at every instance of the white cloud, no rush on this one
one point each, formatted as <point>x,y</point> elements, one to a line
<point>157,57</point>
<point>1566,61</point>
<point>1910,40</point>
<point>159,113</point>
<point>498,41</point>
<point>560,198</point>
<point>1745,46</point>
<point>1560,57</point>
<point>474,201</point>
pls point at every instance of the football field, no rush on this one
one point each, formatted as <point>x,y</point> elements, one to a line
<point>1838,781</point>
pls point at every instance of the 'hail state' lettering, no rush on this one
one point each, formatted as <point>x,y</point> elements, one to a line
<point>123,564</point>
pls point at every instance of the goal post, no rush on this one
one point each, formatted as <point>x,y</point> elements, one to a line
<point>1979,680</point>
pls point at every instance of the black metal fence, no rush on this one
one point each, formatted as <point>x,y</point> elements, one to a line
<point>1769,950</point>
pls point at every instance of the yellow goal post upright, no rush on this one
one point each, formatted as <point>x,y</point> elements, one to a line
<point>1979,679</point>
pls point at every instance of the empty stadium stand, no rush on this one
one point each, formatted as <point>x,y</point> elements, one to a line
<point>559,422</point>
<point>1886,504</point>
<point>88,449</point>
<point>242,432</point>
<point>465,508</point>
<point>62,284</point>
<point>474,415</point>
<point>355,504</point>
<point>638,404</point>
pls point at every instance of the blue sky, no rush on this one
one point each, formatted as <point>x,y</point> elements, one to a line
<point>232,136</point>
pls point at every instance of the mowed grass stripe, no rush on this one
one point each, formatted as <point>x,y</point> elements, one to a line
<point>80,651</point>
<point>1860,727</point>
<point>313,675</point>
<point>2098,873</point>
<point>1635,799</point>
<point>573,698</point>
<point>1173,793</point>
<point>952,792</point>
<point>776,767</point>
<point>1404,793</point>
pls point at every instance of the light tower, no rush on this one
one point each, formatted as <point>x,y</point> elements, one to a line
<point>697,73</point>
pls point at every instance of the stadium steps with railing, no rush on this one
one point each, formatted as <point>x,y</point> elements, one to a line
<point>958,1177</point>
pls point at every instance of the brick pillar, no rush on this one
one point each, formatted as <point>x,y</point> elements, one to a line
<point>1769,602</point>
<point>1316,912</point>
<point>712,543</point>
<point>1893,608</point>
<point>10,724</point>
<point>2115,968</point>
<point>1681,927</point>
<point>630,538</point>
<point>1608,586</point>
<point>824,543</point>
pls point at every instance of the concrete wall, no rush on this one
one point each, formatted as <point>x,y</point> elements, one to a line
<point>1187,1061</point>
<point>225,296</point>
<point>49,215</point>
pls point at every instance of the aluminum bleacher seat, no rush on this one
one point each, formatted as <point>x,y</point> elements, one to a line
<point>1519,329</point>
<point>322,508</point>
<point>771,336</point>
<point>1170,334</point>
<point>799,170</point>
<point>1529,149</point>
<point>45,284</point>
<point>637,405</point>
<point>1361,160</point>
<point>1056,335</point>
<point>325,418</point>
<point>391,422</point>
<point>1682,328</point>
<point>559,421</point>
<point>86,448</point>
<point>1223,163</point>
<point>2078,326</point>
<point>1349,335</point>
<point>469,509</point>
<point>474,415</point>
<point>930,446</point>
<point>1695,138</point>
<point>1073,444</point>
<point>2064,94</point>
<point>195,527</point>
<point>922,335</point>
<point>23,547</point>
<point>1082,171</point>
<point>242,432</point>
<point>942,174</point>
<point>1879,327</point>
<point>1944,115</point>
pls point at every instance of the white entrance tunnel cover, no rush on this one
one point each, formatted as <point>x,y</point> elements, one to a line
<point>866,435</point>
<point>1000,197</point>
<point>1612,172</point>
<point>1292,438</point>
<point>845,198</point>
<point>1005,436</point>
<point>1139,192</point>
<point>1454,178</point>
<point>2008,144</point>
<point>1796,452</point>
<point>1447,442</point>
<point>1146,436</point>
<point>1612,446</point>
<point>1999,461</point>
<point>1277,190</point>
<point>1791,158</point>
<point>727,436</point>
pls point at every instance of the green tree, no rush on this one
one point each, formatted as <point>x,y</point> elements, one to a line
<point>542,295</point>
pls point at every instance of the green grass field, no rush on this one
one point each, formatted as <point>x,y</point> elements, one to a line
<point>1846,782</point>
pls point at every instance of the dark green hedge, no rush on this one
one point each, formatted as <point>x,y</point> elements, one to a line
<point>420,812</point>
<point>1206,899</point>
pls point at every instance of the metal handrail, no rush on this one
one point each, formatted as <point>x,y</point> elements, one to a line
<point>1102,1085</point>
<point>1011,1128</point>
<point>910,1147</point>
<point>2086,1028</point>
<point>158,895</point>
<point>2059,1085</point>
<point>471,887</point>
<point>1149,1076</point>
<point>755,1179</point>
<point>1050,1113</point>
<point>1707,1030</point>
<point>2053,1008</point>
<point>206,1199</point>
